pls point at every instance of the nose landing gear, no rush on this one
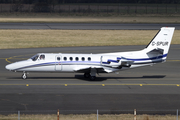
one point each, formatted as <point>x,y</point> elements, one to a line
<point>24,76</point>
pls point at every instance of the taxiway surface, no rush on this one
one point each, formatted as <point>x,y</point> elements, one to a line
<point>148,88</point>
<point>86,26</point>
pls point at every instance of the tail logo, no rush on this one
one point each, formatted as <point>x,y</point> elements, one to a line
<point>160,43</point>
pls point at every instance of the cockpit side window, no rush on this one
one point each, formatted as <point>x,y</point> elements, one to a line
<point>35,57</point>
<point>42,57</point>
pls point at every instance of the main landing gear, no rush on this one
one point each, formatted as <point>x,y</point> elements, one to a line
<point>24,76</point>
<point>88,75</point>
<point>91,75</point>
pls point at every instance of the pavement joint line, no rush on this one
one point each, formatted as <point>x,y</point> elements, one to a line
<point>94,84</point>
<point>12,58</point>
<point>174,60</point>
<point>19,58</point>
<point>15,57</point>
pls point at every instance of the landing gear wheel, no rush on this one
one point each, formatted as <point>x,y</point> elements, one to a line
<point>24,76</point>
<point>93,77</point>
<point>86,75</point>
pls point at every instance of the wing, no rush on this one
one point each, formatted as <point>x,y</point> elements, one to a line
<point>156,51</point>
<point>99,69</point>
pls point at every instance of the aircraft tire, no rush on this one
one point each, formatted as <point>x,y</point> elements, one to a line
<point>93,78</point>
<point>86,75</point>
<point>24,76</point>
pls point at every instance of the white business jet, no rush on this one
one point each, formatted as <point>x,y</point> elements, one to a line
<point>91,64</point>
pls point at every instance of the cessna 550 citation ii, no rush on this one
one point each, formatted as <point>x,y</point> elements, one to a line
<point>91,64</point>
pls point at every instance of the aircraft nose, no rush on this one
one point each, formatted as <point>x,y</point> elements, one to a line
<point>15,66</point>
<point>9,67</point>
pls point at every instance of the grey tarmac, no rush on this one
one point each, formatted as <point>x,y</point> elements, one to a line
<point>86,26</point>
<point>152,88</point>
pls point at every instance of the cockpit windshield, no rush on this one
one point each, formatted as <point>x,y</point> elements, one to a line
<point>35,57</point>
<point>42,57</point>
<point>38,56</point>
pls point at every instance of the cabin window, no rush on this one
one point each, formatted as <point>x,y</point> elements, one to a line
<point>82,58</point>
<point>58,58</point>
<point>35,57</point>
<point>65,58</point>
<point>77,58</point>
<point>71,58</point>
<point>42,57</point>
<point>89,59</point>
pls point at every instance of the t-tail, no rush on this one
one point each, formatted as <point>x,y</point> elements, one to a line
<point>159,46</point>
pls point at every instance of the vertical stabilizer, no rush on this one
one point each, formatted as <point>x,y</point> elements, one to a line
<point>161,42</point>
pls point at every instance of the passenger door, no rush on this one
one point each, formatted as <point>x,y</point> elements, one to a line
<point>58,65</point>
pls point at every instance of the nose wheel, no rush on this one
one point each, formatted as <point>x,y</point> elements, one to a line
<point>24,76</point>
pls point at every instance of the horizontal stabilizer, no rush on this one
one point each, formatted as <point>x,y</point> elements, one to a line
<point>156,51</point>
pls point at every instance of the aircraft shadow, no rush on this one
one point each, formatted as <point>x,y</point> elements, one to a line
<point>42,78</point>
<point>98,78</point>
